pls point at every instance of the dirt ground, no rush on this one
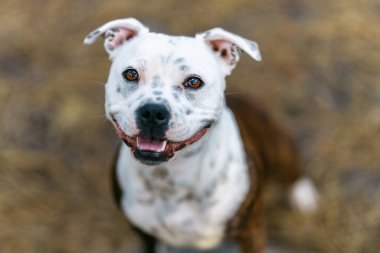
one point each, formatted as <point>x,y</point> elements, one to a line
<point>319,79</point>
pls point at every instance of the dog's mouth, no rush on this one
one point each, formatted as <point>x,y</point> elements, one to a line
<point>153,151</point>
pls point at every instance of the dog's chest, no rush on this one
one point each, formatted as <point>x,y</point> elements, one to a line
<point>190,206</point>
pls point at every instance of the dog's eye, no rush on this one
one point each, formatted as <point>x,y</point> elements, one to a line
<point>193,83</point>
<point>131,75</point>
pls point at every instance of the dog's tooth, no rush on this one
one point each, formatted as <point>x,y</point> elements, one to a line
<point>163,146</point>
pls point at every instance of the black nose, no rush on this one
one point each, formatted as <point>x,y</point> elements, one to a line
<point>152,119</point>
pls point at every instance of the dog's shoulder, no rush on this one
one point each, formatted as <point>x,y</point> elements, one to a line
<point>264,141</point>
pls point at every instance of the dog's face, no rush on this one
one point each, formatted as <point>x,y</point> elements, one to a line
<point>163,93</point>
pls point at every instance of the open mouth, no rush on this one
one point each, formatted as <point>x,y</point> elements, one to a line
<point>153,151</point>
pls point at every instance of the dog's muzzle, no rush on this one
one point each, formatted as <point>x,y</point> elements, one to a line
<point>150,146</point>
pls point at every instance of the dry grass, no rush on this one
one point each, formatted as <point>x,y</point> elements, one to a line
<point>319,78</point>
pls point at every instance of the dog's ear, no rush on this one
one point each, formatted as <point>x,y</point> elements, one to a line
<point>116,32</point>
<point>226,46</point>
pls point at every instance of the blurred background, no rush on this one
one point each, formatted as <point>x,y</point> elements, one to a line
<point>319,79</point>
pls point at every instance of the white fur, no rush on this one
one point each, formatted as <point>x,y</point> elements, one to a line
<point>188,222</point>
<point>304,196</point>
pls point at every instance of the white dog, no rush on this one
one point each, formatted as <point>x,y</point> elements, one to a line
<point>184,174</point>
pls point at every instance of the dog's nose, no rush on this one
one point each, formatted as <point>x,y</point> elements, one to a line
<point>153,114</point>
<point>153,118</point>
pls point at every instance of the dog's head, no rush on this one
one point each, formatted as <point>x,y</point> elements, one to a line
<point>164,92</point>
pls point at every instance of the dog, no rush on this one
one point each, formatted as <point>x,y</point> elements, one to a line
<point>190,172</point>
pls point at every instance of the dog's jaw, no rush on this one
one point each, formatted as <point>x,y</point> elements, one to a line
<point>151,151</point>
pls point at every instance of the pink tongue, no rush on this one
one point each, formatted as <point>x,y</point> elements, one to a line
<point>150,144</point>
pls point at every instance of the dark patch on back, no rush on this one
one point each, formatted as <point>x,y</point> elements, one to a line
<point>157,92</point>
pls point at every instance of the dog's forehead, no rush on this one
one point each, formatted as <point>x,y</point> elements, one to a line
<point>164,47</point>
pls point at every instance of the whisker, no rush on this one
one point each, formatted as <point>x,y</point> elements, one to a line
<point>233,93</point>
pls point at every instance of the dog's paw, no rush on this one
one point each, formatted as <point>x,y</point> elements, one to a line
<point>304,196</point>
